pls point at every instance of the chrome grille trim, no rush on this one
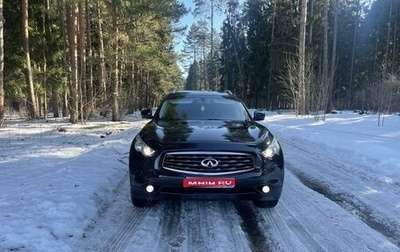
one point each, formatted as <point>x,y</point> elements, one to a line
<point>190,162</point>
<point>208,173</point>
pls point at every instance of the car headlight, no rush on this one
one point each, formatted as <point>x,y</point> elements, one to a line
<point>142,147</point>
<point>272,149</point>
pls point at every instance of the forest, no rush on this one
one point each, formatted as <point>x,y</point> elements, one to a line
<point>85,58</point>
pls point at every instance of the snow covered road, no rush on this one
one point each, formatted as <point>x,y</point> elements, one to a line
<point>304,220</point>
<point>341,193</point>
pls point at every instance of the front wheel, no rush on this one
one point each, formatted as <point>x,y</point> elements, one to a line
<point>140,202</point>
<point>265,204</point>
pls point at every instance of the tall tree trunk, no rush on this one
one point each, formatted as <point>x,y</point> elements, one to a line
<point>55,102</point>
<point>89,81</point>
<point>395,40</point>
<point>45,105</point>
<point>1,65</point>
<point>72,24</point>
<point>62,6</point>
<point>271,46</point>
<point>131,90</point>
<point>388,39</point>
<point>311,25</point>
<point>115,72</point>
<point>353,52</point>
<point>65,109</point>
<point>102,71</point>
<point>332,69</point>
<point>45,31</point>
<point>82,60</point>
<point>31,102</point>
<point>334,48</point>
<point>325,65</point>
<point>302,57</point>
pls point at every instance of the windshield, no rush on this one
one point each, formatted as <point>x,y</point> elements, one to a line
<point>203,108</point>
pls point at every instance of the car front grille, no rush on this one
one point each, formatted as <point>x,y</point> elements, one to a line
<point>208,163</point>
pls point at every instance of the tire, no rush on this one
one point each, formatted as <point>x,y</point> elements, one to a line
<point>265,204</point>
<point>139,202</point>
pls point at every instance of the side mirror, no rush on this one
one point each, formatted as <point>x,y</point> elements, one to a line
<point>258,116</point>
<point>146,113</point>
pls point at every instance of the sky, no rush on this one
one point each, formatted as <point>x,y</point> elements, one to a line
<point>65,188</point>
<point>190,19</point>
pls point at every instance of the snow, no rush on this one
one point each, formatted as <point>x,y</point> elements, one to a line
<point>52,181</point>
<point>60,182</point>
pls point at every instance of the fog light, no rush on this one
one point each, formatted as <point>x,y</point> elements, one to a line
<point>149,188</point>
<point>266,189</point>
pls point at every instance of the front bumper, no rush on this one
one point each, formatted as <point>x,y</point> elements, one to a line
<point>247,187</point>
<point>169,185</point>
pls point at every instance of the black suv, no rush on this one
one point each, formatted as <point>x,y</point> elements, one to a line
<point>205,145</point>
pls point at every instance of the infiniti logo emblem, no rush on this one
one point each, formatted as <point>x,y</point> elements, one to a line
<point>209,162</point>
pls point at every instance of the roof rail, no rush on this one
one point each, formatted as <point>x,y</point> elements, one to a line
<point>228,92</point>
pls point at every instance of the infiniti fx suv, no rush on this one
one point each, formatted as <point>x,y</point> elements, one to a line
<point>205,145</point>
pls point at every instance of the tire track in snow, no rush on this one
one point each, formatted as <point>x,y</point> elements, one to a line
<point>212,226</point>
<point>305,220</point>
<point>238,236</point>
<point>355,207</point>
<point>285,227</point>
<point>250,225</point>
<point>301,232</point>
<point>196,225</point>
<point>171,230</point>
<point>116,223</point>
<point>375,220</point>
<point>121,236</point>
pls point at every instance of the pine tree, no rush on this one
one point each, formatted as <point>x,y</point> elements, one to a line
<point>1,66</point>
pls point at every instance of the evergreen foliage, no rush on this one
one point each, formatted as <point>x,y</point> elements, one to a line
<point>123,56</point>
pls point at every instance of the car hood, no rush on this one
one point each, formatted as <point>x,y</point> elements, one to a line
<point>198,131</point>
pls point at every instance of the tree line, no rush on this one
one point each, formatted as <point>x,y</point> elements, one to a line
<point>79,58</point>
<point>315,56</point>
